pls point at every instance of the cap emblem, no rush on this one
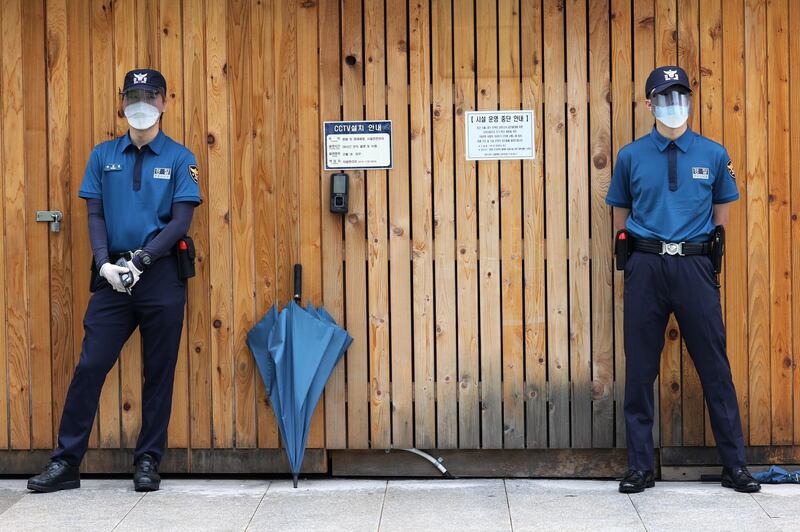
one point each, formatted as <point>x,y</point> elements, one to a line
<point>139,78</point>
<point>671,75</point>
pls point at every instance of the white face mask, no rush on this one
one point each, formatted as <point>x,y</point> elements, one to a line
<point>672,108</point>
<point>673,116</point>
<point>142,115</point>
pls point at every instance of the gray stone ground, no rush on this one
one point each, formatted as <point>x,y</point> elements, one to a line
<point>415,505</point>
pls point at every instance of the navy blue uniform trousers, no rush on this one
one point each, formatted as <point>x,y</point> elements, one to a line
<point>655,286</point>
<point>156,307</point>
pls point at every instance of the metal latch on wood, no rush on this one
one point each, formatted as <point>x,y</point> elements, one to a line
<point>52,217</point>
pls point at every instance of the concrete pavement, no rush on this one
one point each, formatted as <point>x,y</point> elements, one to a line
<point>396,505</point>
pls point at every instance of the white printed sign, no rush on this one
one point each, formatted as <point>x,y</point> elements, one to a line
<point>499,135</point>
<point>361,145</point>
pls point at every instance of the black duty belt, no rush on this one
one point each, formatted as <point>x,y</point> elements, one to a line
<point>672,248</point>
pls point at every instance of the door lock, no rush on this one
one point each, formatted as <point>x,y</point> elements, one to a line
<point>52,217</point>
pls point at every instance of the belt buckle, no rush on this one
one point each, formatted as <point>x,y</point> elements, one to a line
<point>672,248</point>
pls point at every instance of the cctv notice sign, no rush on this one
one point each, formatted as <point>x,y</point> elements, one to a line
<point>499,135</point>
<point>361,145</point>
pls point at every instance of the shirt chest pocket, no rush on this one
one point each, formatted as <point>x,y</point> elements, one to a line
<point>163,174</point>
<point>699,186</point>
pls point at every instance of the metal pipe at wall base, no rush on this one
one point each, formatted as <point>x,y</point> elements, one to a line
<point>437,463</point>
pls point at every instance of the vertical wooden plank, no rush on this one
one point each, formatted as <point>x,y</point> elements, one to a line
<point>623,100</point>
<point>511,237</point>
<point>355,233</point>
<point>669,383</point>
<point>757,222</point>
<point>778,199</point>
<point>666,32</point>
<point>308,176</point>
<point>491,356</point>
<point>578,226</point>
<point>794,106</point>
<point>444,226</point>
<point>400,230</point>
<point>17,347</point>
<point>688,12</point>
<point>422,225</point>
<point>198,300</point>
<point>309,155</point>
<point>711,106</point>
<point>602,317</point>
<point>332,245</point>
<point>533,240</point>
<point>735,135</point>
<point>104,116</point>
<point>148,28</point>
<point>285,43</point>
<point>644,59</point>
<point>80,21</point>
<point>59,123</point>
<point>4,418</point>
<point>469,431</point>
<point>555,141</point>
<point>36,197</point>
<point>377,245</point>
<point>242,221</point>
<point>130,361</point>
<point>219,206</point>
<point>263,108</point>
<point>170,49</point>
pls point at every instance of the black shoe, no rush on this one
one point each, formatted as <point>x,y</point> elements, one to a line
<point>146,477</point>
<point>58,475</point>
<point>740,479</point>
<point>636,481</point>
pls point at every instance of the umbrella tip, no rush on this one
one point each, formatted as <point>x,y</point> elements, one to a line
<point>294,479</point>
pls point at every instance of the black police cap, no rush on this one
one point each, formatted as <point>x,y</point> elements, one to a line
<point>662,78</point>
<point>144,79</point>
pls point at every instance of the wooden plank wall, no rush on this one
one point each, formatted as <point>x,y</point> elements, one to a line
<point>481,297</point>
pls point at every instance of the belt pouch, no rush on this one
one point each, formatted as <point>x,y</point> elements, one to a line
<point>622,248</point>
<point>185,252</point>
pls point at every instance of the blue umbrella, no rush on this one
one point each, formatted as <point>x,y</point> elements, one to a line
<point>296,350</point>
<point>778,475</point>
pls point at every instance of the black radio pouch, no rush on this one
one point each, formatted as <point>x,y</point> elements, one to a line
<point>622,248</point>
<point>185,252</point>
<point>718,248</point>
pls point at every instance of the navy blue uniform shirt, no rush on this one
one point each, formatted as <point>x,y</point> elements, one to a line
<point>640,182</point>
<point>138,187</point>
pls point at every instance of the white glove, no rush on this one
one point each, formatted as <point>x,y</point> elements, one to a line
<point>135,271</point>
<point>111,273</point>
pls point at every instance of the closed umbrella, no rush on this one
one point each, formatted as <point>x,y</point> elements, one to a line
<point>295,351</point>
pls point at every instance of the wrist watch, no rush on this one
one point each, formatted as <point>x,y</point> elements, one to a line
<point>145,258</point>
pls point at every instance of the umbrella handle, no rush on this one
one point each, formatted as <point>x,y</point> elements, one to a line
<point>298,283</point>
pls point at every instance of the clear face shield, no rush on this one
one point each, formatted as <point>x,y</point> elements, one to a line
<point>672,107</point>
<point>141,108</point>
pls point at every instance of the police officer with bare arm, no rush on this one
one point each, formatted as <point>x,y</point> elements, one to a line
<point>671,192</point>
<point>141,190</point>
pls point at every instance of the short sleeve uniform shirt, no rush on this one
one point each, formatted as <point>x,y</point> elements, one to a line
<point>138,187</point>
<point>640,182</point>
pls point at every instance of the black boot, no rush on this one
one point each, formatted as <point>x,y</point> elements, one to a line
<point>740,479</point>
<point>58,475</point>
<point>146,477</point>
<point>636,481</point>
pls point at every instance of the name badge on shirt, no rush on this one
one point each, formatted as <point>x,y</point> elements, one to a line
<point>161,173</point>
<point>113,167</point>
<point>699,173</point>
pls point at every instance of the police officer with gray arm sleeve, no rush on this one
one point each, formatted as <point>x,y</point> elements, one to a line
<point>671,191</point>
<point>141,190</point>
